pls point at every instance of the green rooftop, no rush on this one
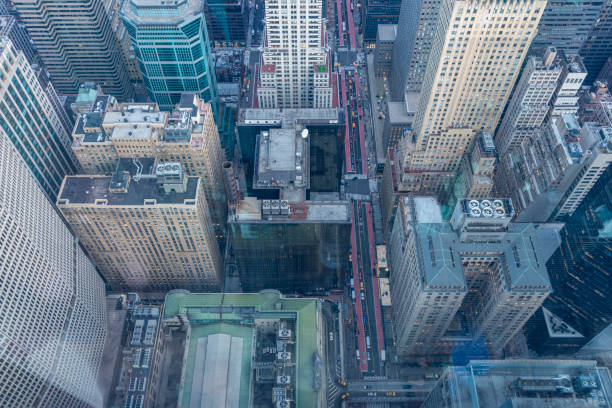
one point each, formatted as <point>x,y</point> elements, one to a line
<point>270,303</point>
<point>321,68</point>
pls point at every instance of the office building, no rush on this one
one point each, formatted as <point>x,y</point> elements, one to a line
<point>294,239</point>
<point>398,122</point>
<point>240,350</point>
<point>522,384</point>
<point>566,96</point>
<point>375,12</point>
<point>478,277</point>
<point>111,131</point>
<point>84,50</point>
<point>385,38</point>
<point>592,103</point>
<point>53,318</point>
<point>147,227</point>
<point>579,308</point>
<point>598,45</point>
<point>528,106</point>
<point>466,85</point>
<point>295,69</point>
<point>172,48</point>
<point>29,119</point>
<point>227,22</point>
<point>566,24</point>
<point>326,129</point>
<point>11,27</point>
<point>416,27</point>
<point>125,43</point>
<point>549,174</point>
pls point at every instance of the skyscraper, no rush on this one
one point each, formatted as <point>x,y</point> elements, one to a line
<point>52,312</point>
<point>598,44</point>
<point>31,123</point>
<point>295,70</point>
<point>84,50</point>
<point>475,59</point>
<point>375,12</point>
<point>565,24</point>
<point>171,44</point>
<point>415,32</point>
<point>529,104</point>
<point>478,277</point>
<point>227,21</point>
<point>147,227</point>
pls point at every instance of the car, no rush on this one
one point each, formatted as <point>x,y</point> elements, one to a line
<point>390,394</point>
<point>345,395</point>
<point>369,356</point>
<point>406,386</point>
<point>341,382</point>
<point>371,394</point>
<point>432,376</point>
<point>365,387</point>
<point>331,336</point>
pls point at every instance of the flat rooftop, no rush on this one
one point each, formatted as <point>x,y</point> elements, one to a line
<point>397,113</point>
<point>288,118</point>
<point>387,32</point>
<point>212,313</point>
<point>319,212</point>
<point>87,190</point>
<point>492,383</point>
<point>135,114</point>
<point>161,12</point>
<point>282,160</point>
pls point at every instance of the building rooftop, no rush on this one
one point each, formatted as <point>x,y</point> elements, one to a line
<point>160,12</point>
<point>288,118</point>
<point>282,160</point>
<point>440,249</point>
<point>250,210</point>
<point>136,114</point>
<point>233,316</point>
<point>387,32</point>
<point>138,181</point>
<point>397,113</point>
<point>529,384</point>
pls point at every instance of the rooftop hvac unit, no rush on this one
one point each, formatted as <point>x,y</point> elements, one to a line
<point>487,212</point>
<point>282,404</point>
<point>474,204</point>
<point>284,333</point>
<point>485,204</point>
<point>475,212</point>
<point>498,204</point>
<point>285,355</point>
<point>499,212</point>
<point>283,379</point>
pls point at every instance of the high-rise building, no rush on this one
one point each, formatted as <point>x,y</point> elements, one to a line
<point>385,38</point>
<point>475,59</point>
<point>523,383</point>
<point>375,12</point>
<point>579,273</point>
<point>295,240</point>
<point>84,50</point>
<point>123,39</point>
<point>53,316</point>
<point>415,33</point>
<point>295,69</point>
<point>598,45</point>
<point>171,44</point>
<point>566,24</point>
<point>227,22</point>
<point>188,135</point>
<point>29,119</point>
<point>147,227</point>
<point>479,276</point>
<point>529,106</point>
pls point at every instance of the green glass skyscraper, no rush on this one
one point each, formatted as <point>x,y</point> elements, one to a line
<point>171,43</point>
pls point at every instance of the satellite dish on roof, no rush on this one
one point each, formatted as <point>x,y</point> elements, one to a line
<point>304,133</point>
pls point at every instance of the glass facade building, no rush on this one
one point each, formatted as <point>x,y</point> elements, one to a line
<point>580,275</point>
<point>172,48</point>
<point>377,12</point>
<point>227,22</point>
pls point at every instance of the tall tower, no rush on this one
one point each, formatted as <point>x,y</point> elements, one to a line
<point>475,59</point>
<point>172,47</point>
<point>28,118</point>
<point>83,50</point>
<point>52,313</point>
<point>598,45</point>
<point>296,68</point>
